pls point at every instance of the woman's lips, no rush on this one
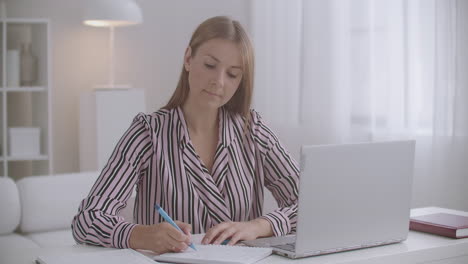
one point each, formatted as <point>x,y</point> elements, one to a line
<point>213,94</point>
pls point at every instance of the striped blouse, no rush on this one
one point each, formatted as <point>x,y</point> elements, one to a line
<point>157,156</point>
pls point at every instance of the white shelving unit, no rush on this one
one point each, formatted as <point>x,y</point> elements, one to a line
<point>26,106</point>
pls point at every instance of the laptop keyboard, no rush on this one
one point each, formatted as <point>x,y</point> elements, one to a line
<point>289,246</point>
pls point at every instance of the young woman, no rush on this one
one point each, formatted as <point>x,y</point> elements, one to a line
<point>204,157</point>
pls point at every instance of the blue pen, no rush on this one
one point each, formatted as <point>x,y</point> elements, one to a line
<point>170,221</point>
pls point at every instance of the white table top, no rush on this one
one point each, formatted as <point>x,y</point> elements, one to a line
<point>419,247</point>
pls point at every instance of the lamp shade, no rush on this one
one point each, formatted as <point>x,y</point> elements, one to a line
<point>112,13</point>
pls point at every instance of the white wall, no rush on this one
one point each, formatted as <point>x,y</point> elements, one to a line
<point>148,56</point>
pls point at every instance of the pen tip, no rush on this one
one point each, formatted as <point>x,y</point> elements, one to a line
<point>157,206</point>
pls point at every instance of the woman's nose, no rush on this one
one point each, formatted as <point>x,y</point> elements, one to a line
<point>220,79</point>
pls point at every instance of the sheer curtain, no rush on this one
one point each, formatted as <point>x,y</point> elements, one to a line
<point>371,70</point>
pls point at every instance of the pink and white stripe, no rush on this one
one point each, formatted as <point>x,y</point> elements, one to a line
<point>156,155</point>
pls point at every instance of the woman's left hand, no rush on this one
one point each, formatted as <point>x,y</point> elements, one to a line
<point>236,231</point>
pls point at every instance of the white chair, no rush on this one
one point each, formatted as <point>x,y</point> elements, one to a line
<point>10,213</point>
<point>48,205</point>
<point>37,211</point>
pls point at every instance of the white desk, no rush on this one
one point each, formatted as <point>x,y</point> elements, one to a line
<point>418,248</point>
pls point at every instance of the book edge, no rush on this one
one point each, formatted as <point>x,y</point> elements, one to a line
<point>441,225</point>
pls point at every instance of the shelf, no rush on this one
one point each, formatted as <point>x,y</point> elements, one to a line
<point>26,20</point>
<point>25,89</point>
<point>27,158</point>
<point>27,105</point>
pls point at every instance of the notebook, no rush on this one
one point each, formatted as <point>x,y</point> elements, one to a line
<point>216,254</point>
<point>449,225</point>
<point>116,256</point>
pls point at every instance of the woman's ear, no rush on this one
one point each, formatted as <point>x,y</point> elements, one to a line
<point>188,58</point>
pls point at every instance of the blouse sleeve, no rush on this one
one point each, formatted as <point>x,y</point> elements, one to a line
<point>96,222</point>
<point>281,179</point>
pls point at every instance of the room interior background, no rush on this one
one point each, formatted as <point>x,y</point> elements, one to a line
<point>326,72</point>
<point>148,56</point>
<point>363,70</point>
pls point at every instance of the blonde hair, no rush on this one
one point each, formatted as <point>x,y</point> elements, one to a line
<point>224,28</point>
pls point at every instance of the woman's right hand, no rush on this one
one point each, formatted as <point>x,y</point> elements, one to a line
<point>161,238</point>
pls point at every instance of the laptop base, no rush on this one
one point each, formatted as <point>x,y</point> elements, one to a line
<point>288,250</point>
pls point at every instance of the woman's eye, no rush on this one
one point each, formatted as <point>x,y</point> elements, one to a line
<point>209,66</point>
<point>232,75</point>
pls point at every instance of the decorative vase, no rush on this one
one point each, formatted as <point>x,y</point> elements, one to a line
<point>28,65</point>
<point>2,9</point>
<point>13,68</point>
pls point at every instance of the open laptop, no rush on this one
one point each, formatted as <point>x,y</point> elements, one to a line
<point>350,196</point>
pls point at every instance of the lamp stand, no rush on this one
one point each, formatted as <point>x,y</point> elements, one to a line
<point>111,56</point>
<point>112,84</point>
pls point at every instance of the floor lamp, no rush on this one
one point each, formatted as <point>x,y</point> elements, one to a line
<point>111,14</point>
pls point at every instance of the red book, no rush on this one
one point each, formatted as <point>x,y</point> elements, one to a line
<point>449,225</point>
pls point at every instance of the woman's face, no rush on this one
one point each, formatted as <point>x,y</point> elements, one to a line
<point>214,72</point>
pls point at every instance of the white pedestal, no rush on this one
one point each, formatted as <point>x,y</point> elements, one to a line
<point>105,115</point>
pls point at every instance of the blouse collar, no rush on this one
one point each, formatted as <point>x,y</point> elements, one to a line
<point>226,130</point>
